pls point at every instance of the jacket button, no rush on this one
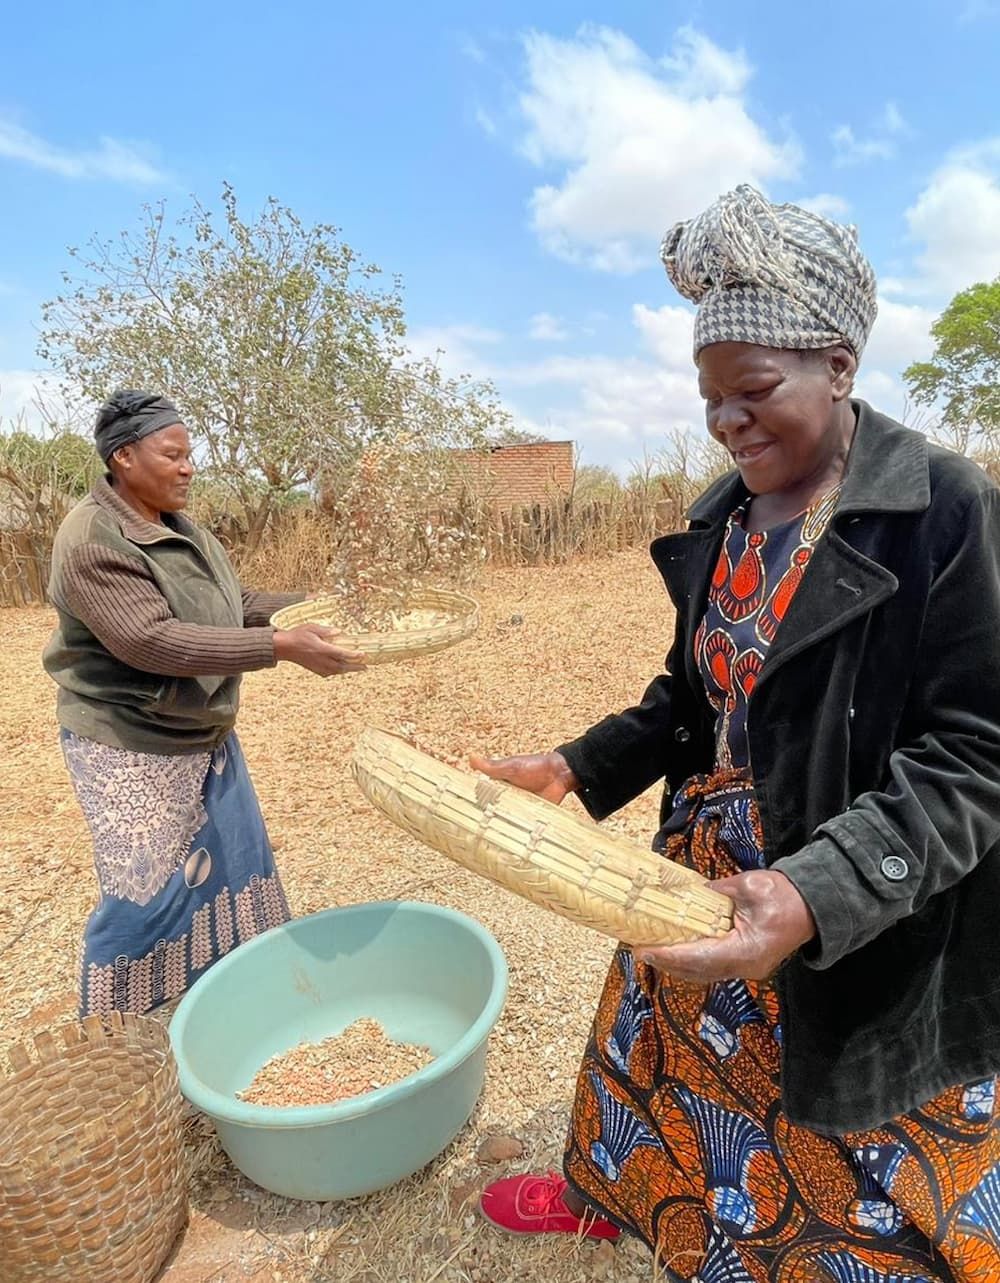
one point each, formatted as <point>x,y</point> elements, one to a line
<point>894,868</point>
<point>682,735</point>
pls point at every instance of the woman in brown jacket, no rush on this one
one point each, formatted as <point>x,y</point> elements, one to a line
<point>153,635</point>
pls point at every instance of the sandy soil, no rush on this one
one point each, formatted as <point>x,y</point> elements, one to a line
<point>557,649</point>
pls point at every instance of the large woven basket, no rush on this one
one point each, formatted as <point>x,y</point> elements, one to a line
<point>551,857</point>
<point>406,643</point>
<point>93,1178</point>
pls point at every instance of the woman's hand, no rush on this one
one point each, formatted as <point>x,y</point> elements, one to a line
<point>547,774</point>
<point>314,647</point>
<point>770,921</point>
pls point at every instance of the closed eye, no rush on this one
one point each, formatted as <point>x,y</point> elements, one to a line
<point>748,394</point>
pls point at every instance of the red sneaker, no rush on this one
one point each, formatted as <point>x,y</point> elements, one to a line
<point>534,1205</point>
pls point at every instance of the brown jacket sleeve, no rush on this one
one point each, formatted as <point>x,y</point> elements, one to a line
<point>258,607</point>
<point>116,598</point>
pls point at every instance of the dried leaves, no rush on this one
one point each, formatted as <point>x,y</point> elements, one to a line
<point>391,532</point>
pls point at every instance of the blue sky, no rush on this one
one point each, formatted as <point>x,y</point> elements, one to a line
<point>517,164</point>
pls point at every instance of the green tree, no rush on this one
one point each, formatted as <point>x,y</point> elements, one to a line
<point>284,350</point>
<point>61,460</point>
<point>592,482</point>
<point>41,477</point>
<point>510,435</point>
<point>964,371</point>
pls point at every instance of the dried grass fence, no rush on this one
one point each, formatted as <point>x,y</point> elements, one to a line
<point>24,567</point>
<point>554,533</point>
<point>299,546</point>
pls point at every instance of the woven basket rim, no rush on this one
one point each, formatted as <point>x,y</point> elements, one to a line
<point>462,622</point>
<point>104,1196</point>
<point>551,857</point>
<point>461,605</point>
<point>115,1025</point>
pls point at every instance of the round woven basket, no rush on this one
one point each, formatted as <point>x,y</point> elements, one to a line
<point>549,856</point>
<point>93,1177</point>
<point>391,647</point>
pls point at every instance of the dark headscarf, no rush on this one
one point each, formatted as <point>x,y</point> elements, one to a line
<point>129,416</point>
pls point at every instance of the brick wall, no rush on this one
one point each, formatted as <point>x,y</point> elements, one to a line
<point>509,475</point>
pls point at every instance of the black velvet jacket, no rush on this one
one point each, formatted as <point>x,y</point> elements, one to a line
<point>874,732</point>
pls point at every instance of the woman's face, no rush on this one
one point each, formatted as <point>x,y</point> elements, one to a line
<point>158,469</point>
<point>780,414</point>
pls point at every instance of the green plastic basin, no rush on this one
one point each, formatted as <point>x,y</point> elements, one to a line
<point>429,974</point>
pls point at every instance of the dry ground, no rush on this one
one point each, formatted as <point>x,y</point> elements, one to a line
<point>557,649</point>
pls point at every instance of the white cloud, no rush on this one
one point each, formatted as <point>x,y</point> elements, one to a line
<point>825,203</point>
<point>119,161</point>
<point>470,48</point>
<point>893,121</point>
<point>486,122</point>
<point>546,328</point>
<point>455,348</point>
<point>31,398</point>
<point>615,408</point>
<point>668,333</point>
<point>619,405</point>
<point>957,219</point>
<point>849,149</point>
<point>893,286</point>
<point>885,393</point>
<point>889,395</point>
<point>637,144</point>
<point>901,334</point>
<point>700,68</point>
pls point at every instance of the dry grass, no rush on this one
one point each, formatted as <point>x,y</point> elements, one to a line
<point>297,550</point>
<point>556,650</point>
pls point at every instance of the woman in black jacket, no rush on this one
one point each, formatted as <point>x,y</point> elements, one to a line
<point>813,1096</point>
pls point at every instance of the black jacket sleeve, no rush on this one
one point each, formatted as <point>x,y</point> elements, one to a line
<point>622,755</point>
<point>938,813</point>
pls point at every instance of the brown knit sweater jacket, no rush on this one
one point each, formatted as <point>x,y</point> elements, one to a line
<point>154,629</point>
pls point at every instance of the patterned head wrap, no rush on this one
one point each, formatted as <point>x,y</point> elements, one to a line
<point>776,275</point>
<point>129,416</point>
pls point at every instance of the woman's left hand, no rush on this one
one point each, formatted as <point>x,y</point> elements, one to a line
<point>770,921</point>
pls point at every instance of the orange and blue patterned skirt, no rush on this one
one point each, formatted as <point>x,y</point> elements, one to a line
<point>679,1137</point>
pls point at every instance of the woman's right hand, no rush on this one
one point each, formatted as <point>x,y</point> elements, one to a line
<point>314,647</point>
<point>547,774</point>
